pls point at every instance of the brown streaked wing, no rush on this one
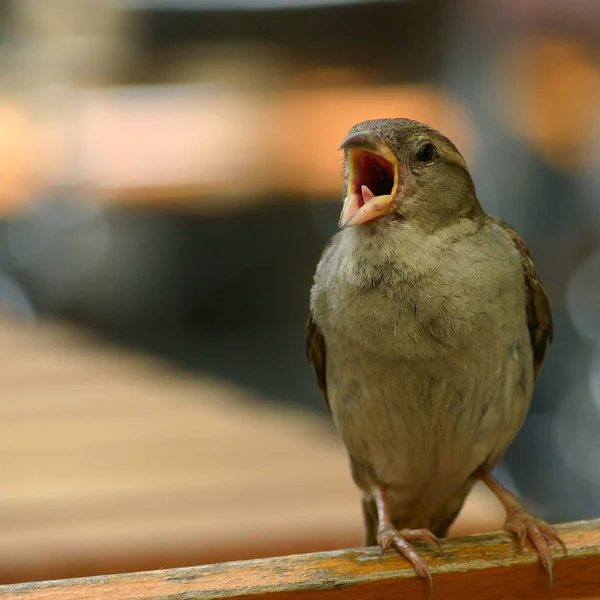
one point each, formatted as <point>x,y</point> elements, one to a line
<point>539,315</point>
<point>315,350</point>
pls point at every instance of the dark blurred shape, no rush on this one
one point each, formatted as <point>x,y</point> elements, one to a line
<point>393,41</point>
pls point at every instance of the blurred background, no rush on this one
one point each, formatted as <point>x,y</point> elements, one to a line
<point>169,175</point>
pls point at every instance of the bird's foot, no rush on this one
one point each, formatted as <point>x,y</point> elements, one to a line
<point>389,536</point>
<point>521,523</point>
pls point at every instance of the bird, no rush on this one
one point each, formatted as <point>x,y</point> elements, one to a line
<point>427,328</point>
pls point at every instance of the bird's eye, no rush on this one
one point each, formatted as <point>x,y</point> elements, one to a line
<point>426,152</point>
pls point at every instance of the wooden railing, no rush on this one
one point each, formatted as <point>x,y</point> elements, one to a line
<point>490,566</point>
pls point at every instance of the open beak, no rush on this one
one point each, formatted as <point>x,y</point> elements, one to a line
<point>372,181</point>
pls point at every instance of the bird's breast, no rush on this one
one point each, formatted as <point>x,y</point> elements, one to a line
<point>429,364</point>
<point>422,427</point>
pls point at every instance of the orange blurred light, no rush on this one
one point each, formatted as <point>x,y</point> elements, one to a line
<point>18,157</point>
<point>224,147</point>
<point>550,97</point>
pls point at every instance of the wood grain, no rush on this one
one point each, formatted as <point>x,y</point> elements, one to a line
<point>490,566</point>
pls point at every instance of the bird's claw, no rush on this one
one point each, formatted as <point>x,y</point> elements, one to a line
<point>389,536</point>
<point>423,535</point>
<point>539,533</point>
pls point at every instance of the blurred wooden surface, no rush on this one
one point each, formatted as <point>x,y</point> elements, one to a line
<point>115,462</point>
<point>486,566</point>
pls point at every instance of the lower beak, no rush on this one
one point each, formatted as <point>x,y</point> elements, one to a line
<point>368,158</point>
<point>357,211</point>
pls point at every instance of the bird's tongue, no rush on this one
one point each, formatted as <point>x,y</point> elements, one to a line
<point>363,207</point>
<point>366,193</point>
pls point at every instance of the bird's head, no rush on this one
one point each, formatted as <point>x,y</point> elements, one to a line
<point>398,169</point>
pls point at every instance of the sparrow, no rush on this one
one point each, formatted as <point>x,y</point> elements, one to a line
<point>427,329</point>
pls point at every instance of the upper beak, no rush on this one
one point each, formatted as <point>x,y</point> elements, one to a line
<point>368,157</point>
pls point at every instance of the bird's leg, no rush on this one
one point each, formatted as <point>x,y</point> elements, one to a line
<point>520,522</point>
<point>388,535</point>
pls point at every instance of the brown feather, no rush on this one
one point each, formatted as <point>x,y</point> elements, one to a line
<point>539,315</point>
